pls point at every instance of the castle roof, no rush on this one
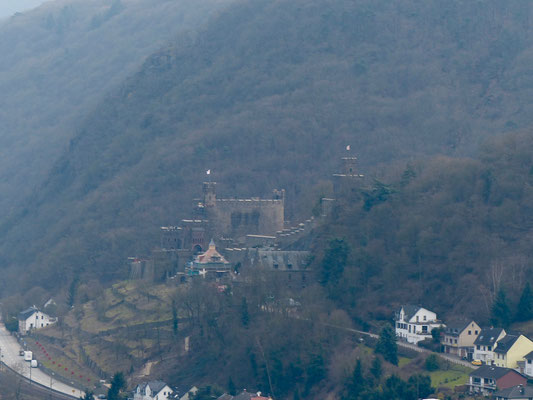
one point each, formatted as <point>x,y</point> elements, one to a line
<point>211,256</point>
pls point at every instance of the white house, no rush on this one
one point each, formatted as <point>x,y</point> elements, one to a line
<point>154,390</point>
<point>32,319</point>
<point>528,364</point>
<point>415,323</point>
<point>485,344</point>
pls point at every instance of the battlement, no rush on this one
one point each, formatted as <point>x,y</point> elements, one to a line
<point>252,200</point>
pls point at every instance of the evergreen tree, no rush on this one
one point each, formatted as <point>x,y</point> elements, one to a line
<point>376,369</point>
<point>419,386</point>
<point>174,317</point>
<point>387,346</point>
<point>334,261</point>
<point>316,372</point>
<point>501,315</point>
<point>118,383</point>
<point>356,384</point>
<point>432,362</point>
<point>231,387</point>
<point>245,315</point>
<point>396,388</point>
<point>524,309</point>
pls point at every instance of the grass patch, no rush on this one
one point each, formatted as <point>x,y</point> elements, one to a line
<point>450,378</point>
<point>403,361</point>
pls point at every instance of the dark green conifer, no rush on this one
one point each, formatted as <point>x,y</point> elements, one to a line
<point>500,313</point>
<point>387,346</point>
<point>524,309</point>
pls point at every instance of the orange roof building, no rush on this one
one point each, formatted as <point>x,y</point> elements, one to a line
<point>209,262</point>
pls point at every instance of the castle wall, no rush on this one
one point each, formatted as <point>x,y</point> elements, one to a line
<point>240,217</point>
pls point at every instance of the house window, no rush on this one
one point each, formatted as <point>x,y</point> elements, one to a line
<point>478,347</point>
<point>417,318</point>
<point>469,332</point>
<point>489,348</point>
<point>475,332</point>
<point>424,328</point>
<point>424,317</point>
<point>455,341</point>
<point>529,361</point>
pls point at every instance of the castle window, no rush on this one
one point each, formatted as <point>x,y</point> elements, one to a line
<point>276,265</point>
<point>254,218</point>
<point>289,266</point>
<point>236,218</point>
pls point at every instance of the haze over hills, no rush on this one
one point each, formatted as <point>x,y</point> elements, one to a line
<point>267,95</point>
<point>57,63</point>
<point>10,7</point>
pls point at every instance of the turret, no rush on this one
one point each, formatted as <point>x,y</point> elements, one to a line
<point>210,194</point>
<point>347,181</point>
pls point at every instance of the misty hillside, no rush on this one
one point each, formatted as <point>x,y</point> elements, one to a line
<point>437,232</point>
<point>266,96</point>
<point>58,61</point>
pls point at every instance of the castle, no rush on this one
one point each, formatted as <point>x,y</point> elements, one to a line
<point>251,231</point>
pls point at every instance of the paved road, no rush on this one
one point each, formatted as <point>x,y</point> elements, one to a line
<point>10,356</point>
<point>451,358</point>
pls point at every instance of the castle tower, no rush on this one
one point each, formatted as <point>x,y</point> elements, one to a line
<point>210,194</point>
<point>278,195</point>
<point>348,181</point>
<point>349,166</point>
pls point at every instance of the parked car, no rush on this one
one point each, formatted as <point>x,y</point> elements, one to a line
<point>477,362</point>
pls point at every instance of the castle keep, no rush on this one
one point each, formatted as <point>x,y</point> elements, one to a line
<point>236,218</point>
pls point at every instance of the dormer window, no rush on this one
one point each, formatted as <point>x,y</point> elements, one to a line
<point>424,317</point>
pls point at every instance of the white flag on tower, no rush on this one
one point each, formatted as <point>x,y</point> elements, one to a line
<point>348,147</point>
<point>208,172</point>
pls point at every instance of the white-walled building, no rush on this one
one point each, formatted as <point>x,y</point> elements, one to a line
<point>32,319</point>
<point>485,344</point>
<point>154,390</point>
<point>528,364</point>
<point>415,323</point>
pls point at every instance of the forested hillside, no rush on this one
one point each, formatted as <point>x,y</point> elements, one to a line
<point>447,233</point>
<point>266,96</point>
<point>58,61</point>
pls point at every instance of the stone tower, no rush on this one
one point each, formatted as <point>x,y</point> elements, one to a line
<point>210,194</point>
<point>347,181</point>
